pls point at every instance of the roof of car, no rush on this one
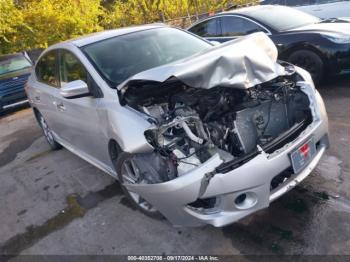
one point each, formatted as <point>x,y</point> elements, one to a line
<point>95,37</point>
<point>245,11</point>
<point>249,9</point>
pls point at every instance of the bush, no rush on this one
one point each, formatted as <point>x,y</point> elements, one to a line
<point>39,23</point>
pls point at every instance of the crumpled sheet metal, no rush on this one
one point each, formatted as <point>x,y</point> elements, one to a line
<point>241,63</point>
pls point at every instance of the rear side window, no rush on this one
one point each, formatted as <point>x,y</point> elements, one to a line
<point>46,69</point>
<point>236,26</point>
<point>71,68</point>
<point>207,28</point>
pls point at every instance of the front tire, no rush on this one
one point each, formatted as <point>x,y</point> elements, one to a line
<point>48,133</point>
<point>128,172</point>
<point>309,61</point>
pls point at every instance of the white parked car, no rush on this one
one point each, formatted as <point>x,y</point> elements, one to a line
<point>324,9</point>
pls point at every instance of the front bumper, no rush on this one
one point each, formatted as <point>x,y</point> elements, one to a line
<point>253,179</point>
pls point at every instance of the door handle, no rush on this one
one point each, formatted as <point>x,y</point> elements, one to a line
<point>60,106</point>
<point>37,98</point>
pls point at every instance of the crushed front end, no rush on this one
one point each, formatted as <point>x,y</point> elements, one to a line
<point>221,153</point>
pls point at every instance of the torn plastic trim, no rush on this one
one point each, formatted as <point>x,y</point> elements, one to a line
<point>267,148</point>
<point>275,146</point>
<point>307,86</point>
<point>178,192</point>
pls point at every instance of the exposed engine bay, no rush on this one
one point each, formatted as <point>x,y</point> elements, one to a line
<point>193,124</point>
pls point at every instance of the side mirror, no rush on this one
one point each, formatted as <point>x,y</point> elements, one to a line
<point>75,89</point>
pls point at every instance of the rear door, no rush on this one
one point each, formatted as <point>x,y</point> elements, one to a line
<point>79,118</point>
<point>45,87</point>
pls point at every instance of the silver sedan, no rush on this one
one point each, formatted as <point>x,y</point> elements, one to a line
<point>196,133</point>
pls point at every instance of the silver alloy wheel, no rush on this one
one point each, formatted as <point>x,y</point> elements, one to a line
<point>131,175</point>
<point>47,131</point>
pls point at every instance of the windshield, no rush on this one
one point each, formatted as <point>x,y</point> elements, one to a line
<point>121,57</point>
<point>13,63</point>
<point>282,18</point>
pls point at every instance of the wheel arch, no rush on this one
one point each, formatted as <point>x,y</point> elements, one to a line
<point>300,47</point>
<point>114,149</point>
<point>36,114</point>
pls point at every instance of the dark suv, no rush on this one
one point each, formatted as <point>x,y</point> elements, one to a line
<point>14,72</point>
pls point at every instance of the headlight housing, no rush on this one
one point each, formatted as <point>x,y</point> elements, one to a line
<point>305,75</point>
<point>337,38</point>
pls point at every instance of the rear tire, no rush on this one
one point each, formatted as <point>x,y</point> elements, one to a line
<point>128,173</point>
<point>309,61</point>
<point>47,132</point>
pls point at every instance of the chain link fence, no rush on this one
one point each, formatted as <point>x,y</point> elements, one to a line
<point>186,21</point>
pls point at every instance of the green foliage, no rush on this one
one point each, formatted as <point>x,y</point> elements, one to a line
<point>26,24</point>
<point>10,19</point>
<point>42,23</point>
<point>146,11</point>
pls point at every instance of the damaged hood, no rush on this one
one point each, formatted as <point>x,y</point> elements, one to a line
<point>241,63</point>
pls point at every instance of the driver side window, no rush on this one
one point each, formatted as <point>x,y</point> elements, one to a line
<point>46,69</point>
<point>71,68</point>
<point>208,28</point>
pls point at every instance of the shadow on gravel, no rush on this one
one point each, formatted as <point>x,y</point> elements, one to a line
<point>283,228</point>
<point>77,207</point>
<point>22,139</point>
<point>335,82</point>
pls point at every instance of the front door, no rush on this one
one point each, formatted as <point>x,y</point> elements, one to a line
<point>80,117</point>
